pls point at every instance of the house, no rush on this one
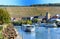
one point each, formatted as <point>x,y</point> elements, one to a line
<point>26,18</point>
<point>36,16</point>
<point>15,18</point>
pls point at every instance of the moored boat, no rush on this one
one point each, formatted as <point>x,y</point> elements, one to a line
<point>28,28</point>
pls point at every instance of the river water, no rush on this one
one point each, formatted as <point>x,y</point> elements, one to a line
<point>40,33</point>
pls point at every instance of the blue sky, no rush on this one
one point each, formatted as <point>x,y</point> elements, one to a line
<point>27,2</point>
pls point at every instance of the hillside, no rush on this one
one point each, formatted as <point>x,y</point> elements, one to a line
<point>32,11</point>
<point>49,4</point>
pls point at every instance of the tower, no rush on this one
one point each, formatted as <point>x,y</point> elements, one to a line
<point>48,15</point>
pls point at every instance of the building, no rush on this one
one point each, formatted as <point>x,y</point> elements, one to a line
<point>48,15</point>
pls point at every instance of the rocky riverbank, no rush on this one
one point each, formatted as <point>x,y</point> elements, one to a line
<point>18,36</point>
<point>10,33</point>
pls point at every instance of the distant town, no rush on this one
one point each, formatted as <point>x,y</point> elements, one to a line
<point>41,18</point>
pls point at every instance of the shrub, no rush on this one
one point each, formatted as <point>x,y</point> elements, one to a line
<point>17,23</point>
<point>26,22</point>
<point>35,20</point>
<point>1,27</point>
<point>4,16</point>
<point>29,22</point>
<point>23,21</point>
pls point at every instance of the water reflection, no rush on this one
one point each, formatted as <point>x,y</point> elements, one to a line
<point>48,33</point>
<point>41,33</point>
<point>28,35</point>
<point>25,35</point>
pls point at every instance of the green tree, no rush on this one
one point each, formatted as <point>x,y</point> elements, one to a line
<point>35,20</point>
<point>29,22</point>
<point>4,16</point>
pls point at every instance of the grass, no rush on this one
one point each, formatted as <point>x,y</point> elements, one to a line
<point>1,36</point>
<point>1,27</point>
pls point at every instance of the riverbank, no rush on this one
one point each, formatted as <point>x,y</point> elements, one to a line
<point>18,35</point>
<point>10,32</point>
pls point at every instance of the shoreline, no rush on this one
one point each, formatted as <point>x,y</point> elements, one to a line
<point>18,36</point>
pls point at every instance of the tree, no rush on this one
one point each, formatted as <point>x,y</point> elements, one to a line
<point>35,20</point>
<point>4,16</point>
<point>28,22</point>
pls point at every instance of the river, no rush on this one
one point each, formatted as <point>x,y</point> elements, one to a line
<point>40,33</point>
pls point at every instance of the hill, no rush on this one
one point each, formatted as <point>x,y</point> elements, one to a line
<point>20,11</point>
<point>50,4</point>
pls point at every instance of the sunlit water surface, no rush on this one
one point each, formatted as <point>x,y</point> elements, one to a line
<point>40,33</point>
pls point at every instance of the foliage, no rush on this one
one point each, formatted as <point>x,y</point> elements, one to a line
<point>29,22</point>
<point>1,36</point>
<point>23,21</point>
<point>20,22</point>
<point>4,16</point>
<point>35,20</point>
<point>1,27</point>
<point>26,22</point>
<point>16,23</point>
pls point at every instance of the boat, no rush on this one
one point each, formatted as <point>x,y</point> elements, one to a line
<point>57,21</point>
<point>50,25</point>
<point>36,24</point>
<point>28,28</point>
<point>58,24</point>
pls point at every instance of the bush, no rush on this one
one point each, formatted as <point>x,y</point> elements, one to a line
<point>4,16</point>
<point>35,20</point>
<point>1,27</point>
<point>29,22</point>
<point>23,22</point>
<point>17,23</point>
<point>26,22</point>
